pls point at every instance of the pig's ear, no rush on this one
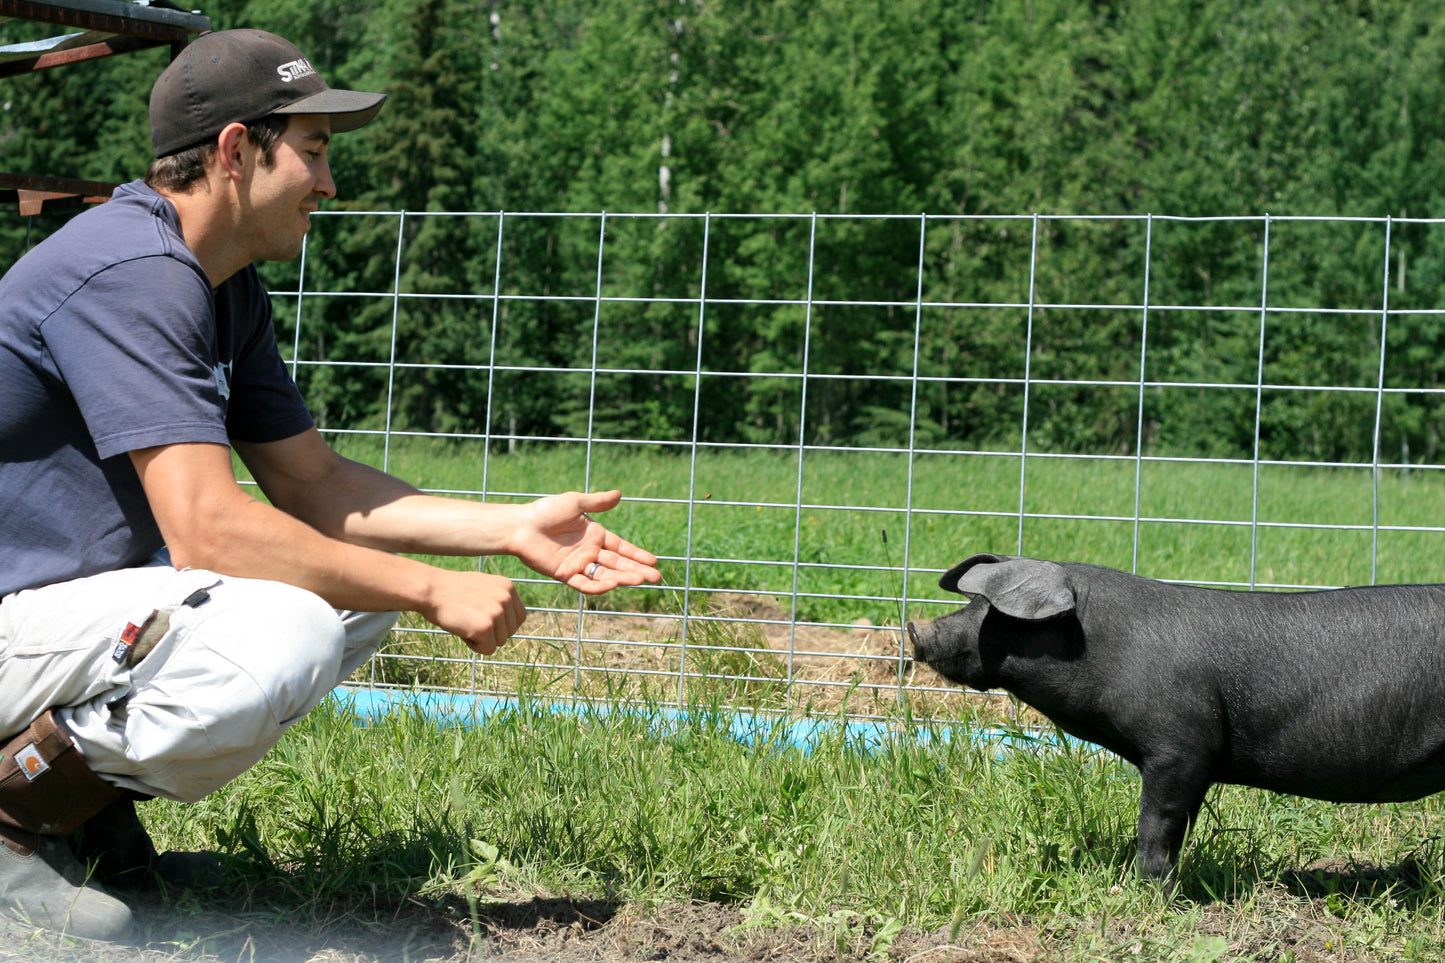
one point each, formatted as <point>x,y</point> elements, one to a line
<point>949,581</point>
<point>1025,588</point>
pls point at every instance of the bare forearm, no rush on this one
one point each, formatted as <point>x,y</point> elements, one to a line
<point>209,522</point>
<point>250,539</point>
<point>429,525</point>
<point>358,504</point>
<point>256,540</point>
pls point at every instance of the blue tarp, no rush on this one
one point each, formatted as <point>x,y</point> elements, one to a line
<point>371,705</point>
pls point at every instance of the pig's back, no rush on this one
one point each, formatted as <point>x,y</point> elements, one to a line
<point>1337,694</point>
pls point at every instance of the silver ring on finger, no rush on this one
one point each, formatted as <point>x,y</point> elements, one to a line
<point>592,570</point>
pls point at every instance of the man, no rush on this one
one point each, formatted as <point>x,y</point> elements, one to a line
<point>159,627</point>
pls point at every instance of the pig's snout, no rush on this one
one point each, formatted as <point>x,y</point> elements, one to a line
<point>919,635</point>
<point>949,646</point>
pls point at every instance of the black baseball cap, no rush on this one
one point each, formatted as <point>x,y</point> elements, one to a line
<point>237,76</point>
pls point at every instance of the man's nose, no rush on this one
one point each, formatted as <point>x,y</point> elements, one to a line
<point>325,186</point>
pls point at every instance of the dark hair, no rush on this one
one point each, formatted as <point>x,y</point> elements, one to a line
<point>181,170</point>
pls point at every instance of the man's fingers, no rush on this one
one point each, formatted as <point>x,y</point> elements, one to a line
<point>496,635</point>
<point>599,501</point>
<point>598,579</point>
<point>634,554</point>
<point>620,569</point>
<point>484,611</point>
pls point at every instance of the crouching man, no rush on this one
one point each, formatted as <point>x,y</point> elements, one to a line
<point>160,629</point>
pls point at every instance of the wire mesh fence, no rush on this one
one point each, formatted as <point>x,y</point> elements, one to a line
<point>812,416</point>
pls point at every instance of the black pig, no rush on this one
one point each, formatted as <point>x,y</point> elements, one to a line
<point>1337,694</point>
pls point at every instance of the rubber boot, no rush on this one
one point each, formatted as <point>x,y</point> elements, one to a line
<point>114,844</point>
<point>46,792</point>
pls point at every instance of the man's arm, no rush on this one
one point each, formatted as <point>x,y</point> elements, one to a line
<point>210,522</point>
<point>353,502</point>
<point>333,525</point>
<point>356,503</point>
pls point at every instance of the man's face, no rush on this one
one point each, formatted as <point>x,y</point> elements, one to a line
<point>282,196</point>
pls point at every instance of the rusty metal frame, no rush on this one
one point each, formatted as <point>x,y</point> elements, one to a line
<point>108,27</point>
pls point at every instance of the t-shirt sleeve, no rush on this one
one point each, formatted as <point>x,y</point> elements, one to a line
<point>153,357</point>
<point>135,346</point>
<point>265,404</point>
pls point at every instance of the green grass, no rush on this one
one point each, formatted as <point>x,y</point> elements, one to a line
<point>741,505</point>
<point>920,831</point>
<point>874,529</point>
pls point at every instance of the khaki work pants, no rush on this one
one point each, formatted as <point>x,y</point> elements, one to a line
<point>239,662</point>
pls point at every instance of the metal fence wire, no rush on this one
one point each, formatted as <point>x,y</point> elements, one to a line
<point>794,548</point>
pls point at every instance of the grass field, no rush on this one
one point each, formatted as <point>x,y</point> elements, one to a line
<point>769,568</point>
<point>928,831</point>
<point>1203,522</point>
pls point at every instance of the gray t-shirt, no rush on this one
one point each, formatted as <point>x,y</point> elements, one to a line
<point>112,340</point>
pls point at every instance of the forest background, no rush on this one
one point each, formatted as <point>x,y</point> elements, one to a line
<point>1211,108</point>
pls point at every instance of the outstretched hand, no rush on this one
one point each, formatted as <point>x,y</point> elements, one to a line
<point>558,538</point>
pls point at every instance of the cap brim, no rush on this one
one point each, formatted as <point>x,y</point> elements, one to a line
<point>348,109</point>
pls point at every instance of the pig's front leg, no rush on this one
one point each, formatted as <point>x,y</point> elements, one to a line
<point>1173,791</point>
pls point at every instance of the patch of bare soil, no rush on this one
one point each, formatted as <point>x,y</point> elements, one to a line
<point>1271,923</point>
<point>741,648</point>
<point>748,647</point>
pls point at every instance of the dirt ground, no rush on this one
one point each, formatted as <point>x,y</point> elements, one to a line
<point>1278,925</point>
<point>743,648</point>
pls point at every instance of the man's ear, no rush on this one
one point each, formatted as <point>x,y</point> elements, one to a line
<point>231,145</point>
